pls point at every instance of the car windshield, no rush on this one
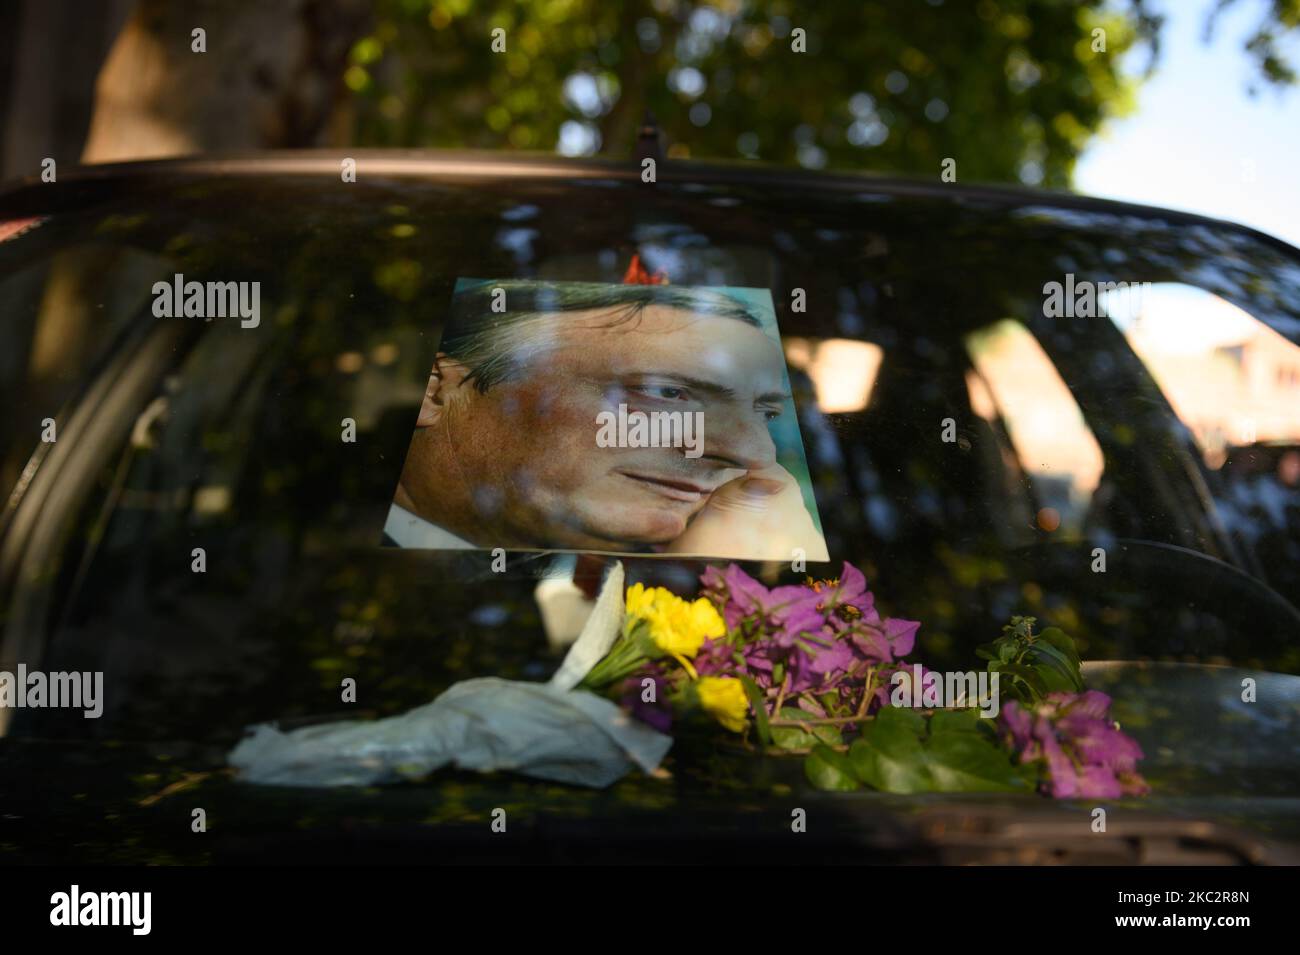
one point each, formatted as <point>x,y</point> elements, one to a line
<point>1129,473</point>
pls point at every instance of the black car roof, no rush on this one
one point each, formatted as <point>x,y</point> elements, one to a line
<point>487,166</point>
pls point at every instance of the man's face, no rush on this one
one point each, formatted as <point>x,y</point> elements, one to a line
<point>529,445</point>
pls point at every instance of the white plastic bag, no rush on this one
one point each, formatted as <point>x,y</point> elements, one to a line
<point>547,730</point>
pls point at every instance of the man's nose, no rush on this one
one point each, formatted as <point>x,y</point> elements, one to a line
<point>738,441</point>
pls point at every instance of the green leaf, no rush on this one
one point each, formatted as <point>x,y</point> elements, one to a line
<point>958,755</point>
<point>1062,641</point>
<point>1055,668</point>
<point>796,737</point>
<point>968,762</point>
<point>1029,676</point>
<point>888,755</point>
<point>829,770</point>
<point>903,716</point>
<point>756,703</point>
<point>955,721</point>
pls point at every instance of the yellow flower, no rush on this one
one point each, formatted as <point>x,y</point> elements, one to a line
<point>641,599</point>
<point>724,699</point>
<point>677,627</point>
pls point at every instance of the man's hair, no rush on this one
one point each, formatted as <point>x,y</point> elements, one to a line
<point>493,345</point>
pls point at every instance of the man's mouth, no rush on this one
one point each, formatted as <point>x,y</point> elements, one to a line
<point>675,489</point>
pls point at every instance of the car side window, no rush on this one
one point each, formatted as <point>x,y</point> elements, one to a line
<point>1018,391</point>
<point>1234,383</point>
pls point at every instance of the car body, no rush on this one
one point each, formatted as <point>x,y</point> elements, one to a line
<point>922,302</point>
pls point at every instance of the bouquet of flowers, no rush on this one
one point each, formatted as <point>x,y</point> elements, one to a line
<point>816,671</point>
<point>812,671</point>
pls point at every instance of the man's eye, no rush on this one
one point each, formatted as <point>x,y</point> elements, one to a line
<point>771,415</point>
<point>664,392</point>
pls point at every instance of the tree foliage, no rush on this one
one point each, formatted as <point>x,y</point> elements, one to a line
<point>1265,43</point>
<point>1011,89</point>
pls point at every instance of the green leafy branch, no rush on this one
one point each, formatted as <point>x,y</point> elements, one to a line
<point>1036,664</point>
<point>902,751</point>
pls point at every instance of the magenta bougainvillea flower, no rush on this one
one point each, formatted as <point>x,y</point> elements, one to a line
<point>743,600</point>
<point>822,655</point>
<point>822,636</point>
<point>1083,752</point>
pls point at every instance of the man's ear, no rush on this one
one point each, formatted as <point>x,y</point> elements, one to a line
<point>444,379</point>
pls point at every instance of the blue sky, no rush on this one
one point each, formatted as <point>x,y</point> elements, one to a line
<point>1197,140</point>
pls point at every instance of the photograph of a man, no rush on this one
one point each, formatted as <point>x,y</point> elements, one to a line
<point>627,419</point>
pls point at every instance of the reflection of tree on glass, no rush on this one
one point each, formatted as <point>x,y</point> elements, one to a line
<point>510,449</point>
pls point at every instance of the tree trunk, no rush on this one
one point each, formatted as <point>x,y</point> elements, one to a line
<point>271,77</point>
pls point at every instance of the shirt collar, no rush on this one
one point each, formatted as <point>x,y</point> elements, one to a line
<point>411,530</point>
